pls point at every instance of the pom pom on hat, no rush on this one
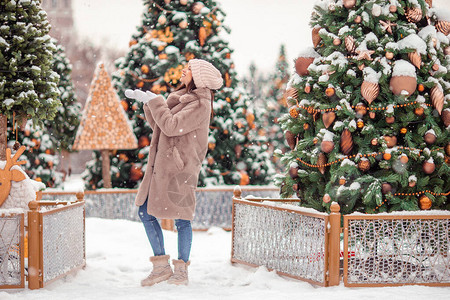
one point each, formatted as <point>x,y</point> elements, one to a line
<point>205,74</point>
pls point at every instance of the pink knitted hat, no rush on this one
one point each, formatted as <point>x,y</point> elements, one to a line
<point>205,74</point>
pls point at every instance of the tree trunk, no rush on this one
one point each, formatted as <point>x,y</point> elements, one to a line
<point>3,136</point>
<point>106,169</point>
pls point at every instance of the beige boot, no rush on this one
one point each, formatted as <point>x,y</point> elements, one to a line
<point>161,270</point>
<point>180,275</point>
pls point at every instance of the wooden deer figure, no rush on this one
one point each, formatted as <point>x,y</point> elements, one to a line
<point>7,175</point>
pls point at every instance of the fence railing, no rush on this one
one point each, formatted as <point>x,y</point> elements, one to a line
<point>377,250</point>
<point>57,243</point>
<point>293,241</point>
<point>213,206</point>
<point>396,250</point>
<point>12,266</point>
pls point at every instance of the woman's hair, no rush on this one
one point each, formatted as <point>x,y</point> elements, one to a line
<point>190,87</point>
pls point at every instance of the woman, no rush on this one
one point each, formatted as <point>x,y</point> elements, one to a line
<point>179,145</point>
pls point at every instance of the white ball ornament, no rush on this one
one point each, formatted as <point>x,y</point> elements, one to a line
<point>162,19</point>
<point>376,10</point>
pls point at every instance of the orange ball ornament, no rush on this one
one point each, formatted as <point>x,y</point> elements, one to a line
<point>144,141</point>
<point>403,130</point>
<point>387,156</point>
<point>425,202</point>
<point>330,92</point>
<point>124,104</point>
<point>390,120</point>
<point>419,111</point>
<point>326,198</point>
<point>404,159</point>
<point>305,126</point>
<point>140,84</point>
<point>342,181</point>
<point>136,173</point>
<point>420,87</point>
<point>245,179</point>
<point>360,124</point>
<point>293,112</point>
<point>145,69</point>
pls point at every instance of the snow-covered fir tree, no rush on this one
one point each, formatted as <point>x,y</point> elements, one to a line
<point>28,85</point>
<point>369,116</point>
<point>45,143</point>
<point>172,33</point>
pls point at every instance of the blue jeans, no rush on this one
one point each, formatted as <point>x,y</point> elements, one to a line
<point>155,235</point>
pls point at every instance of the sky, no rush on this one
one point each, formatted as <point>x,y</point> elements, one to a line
<point>258,27</point>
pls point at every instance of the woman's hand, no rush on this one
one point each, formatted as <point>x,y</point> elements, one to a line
<point>140,95</point>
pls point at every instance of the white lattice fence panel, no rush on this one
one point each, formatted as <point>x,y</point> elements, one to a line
<point>398,251</point>
<point>289,242</point>
<point>11,252</point>
<point>63,241</point>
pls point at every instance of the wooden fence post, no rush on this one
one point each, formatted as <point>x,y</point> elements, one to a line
<point>34,270</point>
<point>334,242</point>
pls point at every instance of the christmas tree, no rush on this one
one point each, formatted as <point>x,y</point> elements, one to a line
<point>368,118</point>
<point>45,144</point>
<point>172,33</point>
<point>28,85</point>
<point>275,106</point>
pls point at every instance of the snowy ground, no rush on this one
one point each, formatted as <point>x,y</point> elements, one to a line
<point>117,259</point>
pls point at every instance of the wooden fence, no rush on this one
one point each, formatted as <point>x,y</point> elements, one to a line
<point>55,232</point>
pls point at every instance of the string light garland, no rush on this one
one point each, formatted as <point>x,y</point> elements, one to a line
<point>312,110</point>
<point>361,155</point>
<point>412,194</point>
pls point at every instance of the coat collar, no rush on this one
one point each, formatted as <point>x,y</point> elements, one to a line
<point>197,94</point>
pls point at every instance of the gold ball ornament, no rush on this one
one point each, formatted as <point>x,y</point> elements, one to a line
<point>302,64</point>
<point>360,124</point>
<point>419,111</point>
<point>447,149</point>
<point>327,146</point>
<point>389,55</point>
<point>364,165</point>
<point>425,202</point>
<point>326,198</point>
<point>403,130</point>
<point>145,69</point>
<point>391,141</point>
<point>386,188</point>
<point>429,138</point>
<point>404,159</point>
<point>390,119</point>
<point>403,83</point>
<point>330,92</point>
<point>337,41</point>
<point>305,126</point>
<point>349,3</point>
<point>293,112</point>
<point>445,117</point>
<point>428,167</point>
<point>293,172</point>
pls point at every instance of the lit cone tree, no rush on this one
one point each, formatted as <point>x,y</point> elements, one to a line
<point>368,118</point>
<point>172,33</point>
<point>45,144</point>
<point>28,85</point>
<point>275,106</point>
